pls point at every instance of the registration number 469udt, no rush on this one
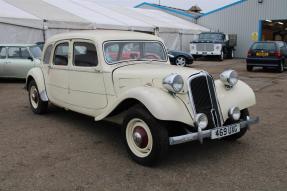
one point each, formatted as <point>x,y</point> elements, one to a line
<point>225,131</point>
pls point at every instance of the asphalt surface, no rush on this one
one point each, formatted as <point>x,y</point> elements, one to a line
<point>63,150</point>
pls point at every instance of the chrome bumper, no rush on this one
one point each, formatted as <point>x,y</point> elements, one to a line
<point>207,133</point>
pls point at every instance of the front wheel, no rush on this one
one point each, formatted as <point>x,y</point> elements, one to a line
<point>221,57</point>
<point>37,105</point>
<point>146,138</point>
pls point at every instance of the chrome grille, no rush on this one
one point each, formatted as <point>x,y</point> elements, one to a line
<point>203,98</point>
<point>205,47</point>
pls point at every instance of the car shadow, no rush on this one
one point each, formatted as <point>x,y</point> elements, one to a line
<point>110,133</point>
<point>12,80</point>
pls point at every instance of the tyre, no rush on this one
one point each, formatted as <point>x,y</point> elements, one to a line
<point>37,105</point>
<point>244,115</point>
<point>146,138</point>
<point>231,54</point>
<point>281,67</point>
<point>249,68</point>
<point>221,57</point>
<point>181,61</point>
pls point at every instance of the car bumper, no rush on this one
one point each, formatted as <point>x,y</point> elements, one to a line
<point>203,53</point>
<point>206,133</point>
<point>267,62</point>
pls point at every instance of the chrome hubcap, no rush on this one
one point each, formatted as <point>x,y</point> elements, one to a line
<point>34,97</point>
<point>180,61</point>
<point>139,138</point>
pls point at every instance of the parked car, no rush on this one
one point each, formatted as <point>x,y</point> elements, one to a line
<point>17,59</point>
<point>180,58</point>
<point>214,44</point>
<point>268,54</point>
<point>160,104</point>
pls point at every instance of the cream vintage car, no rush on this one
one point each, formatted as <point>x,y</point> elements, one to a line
<point>107,73</point>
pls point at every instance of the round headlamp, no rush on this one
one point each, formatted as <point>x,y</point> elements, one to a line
<point>229,78</point>
<point>173,83</point>
<point>201,120</point>
<point>234,113</point>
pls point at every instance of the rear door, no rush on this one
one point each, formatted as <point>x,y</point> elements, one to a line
<point>3,56</point>
<point>19,62</point>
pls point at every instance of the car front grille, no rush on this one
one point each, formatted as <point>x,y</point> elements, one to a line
<point>204,100</point>
<point>205,47</point>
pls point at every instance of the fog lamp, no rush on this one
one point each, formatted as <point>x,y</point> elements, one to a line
<point>234,113</point>
<point>201,120</point>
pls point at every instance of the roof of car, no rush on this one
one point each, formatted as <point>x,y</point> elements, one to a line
<point>104,35</point>
<point>21,45</point>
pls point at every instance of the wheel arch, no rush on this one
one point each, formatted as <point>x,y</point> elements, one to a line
<point>161,104</point>
<point>36,74</point>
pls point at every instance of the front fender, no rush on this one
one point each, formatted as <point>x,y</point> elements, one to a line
<point>162,105</point>
<point>37,75</point>
<point>241,95</point>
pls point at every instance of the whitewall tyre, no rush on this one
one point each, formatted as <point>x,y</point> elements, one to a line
<point>145,137</point>
<point>221,57</point>
<point>180,61</point>
<point>37,105</point>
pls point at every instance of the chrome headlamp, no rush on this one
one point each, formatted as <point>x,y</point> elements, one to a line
<point>229,78</point>
<point>201,121</point>
<point>173,83</point>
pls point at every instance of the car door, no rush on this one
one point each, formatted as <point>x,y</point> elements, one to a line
<point>57,72</point>
<point>87,92</point>
<point>19,62</point>
<point>3,56</point>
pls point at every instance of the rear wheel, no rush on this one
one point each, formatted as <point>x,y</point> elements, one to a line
<point>244,115</point>
<point>231,54</point>
<point>37,105</point>
<point>249,68</point>
<point>281,67</point>
<point>146,138</point>
<point>181,61</point>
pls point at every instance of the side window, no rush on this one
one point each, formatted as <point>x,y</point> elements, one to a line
<point>85,54</point>
<point>2,52</point>
<point>47,54</point>
<point>14,53</point>
<point>25,53</point>
<point>61,54</point>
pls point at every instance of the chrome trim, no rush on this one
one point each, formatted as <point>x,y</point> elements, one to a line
<point>43,96</point>
<point>207,133</point>
<point>203,73</point>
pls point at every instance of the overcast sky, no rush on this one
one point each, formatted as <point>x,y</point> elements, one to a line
<point>205,5</point>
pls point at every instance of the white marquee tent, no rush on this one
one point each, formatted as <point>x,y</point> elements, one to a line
<point>29,21</point>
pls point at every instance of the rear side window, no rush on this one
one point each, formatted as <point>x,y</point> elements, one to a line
<point>47,54</point>
<point>268,46</point>
<point>85,54</point>
<point>2,52</point>
<point>61,54</point>
<point>18,53</point>
<point>14,52</point>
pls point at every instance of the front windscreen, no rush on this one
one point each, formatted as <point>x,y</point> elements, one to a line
<point>118,51</point>
<point>211,36</point>
<point>36,51</point>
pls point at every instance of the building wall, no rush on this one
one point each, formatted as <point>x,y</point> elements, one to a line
<point>243,19</point>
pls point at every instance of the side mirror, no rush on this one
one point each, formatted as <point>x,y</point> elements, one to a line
<point>30,58</point>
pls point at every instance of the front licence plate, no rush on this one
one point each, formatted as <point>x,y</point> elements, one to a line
<point>225,131</point>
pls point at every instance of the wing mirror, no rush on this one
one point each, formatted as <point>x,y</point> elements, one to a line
<point>30,58</point>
